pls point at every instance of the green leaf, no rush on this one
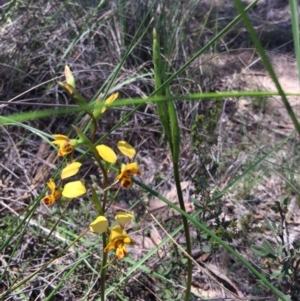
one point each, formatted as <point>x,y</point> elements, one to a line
<point>287,201</point>
<point>96,202</point>
<point>275,275</point>
<point>272,226</point>
<point>268,247</point>
<point>260,250</point>
<point>84,139</point>
<point>286,298</point>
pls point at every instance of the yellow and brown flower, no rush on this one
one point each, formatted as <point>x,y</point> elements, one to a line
<point>118,238</point>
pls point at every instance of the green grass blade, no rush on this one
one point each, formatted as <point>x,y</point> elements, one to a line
<point>161,107</point>
<point>18,228</point>
<point>26,116</point>
<point>295,28</point>
<point>175,132</point>
<point>267,63</point>
<point>84,31</point>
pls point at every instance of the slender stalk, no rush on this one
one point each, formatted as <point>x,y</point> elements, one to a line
<point>103,268</point>
<point>97,157</point>
<point>186,232</point>
<point>105,192</point>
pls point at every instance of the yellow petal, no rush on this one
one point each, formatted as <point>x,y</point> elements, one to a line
<point>48,200</point>
<point>109,247</point>
<point>123,218</point>
<point>71,170</point>
<point>68,88</point>
<point>117,233</point>
<point>65,149</point>
<point>74,190</point>
<point>128,240</point>
<point>99,225</point>
<point>57,194</point>
<point>131,168</point>
<point>121,251</point>
<point>106,153</point>
<point>51,185</point>
<point>60,143</point>
<point>69,76</point>
<point>125,179</point>
<point>60,137</point>
<point>126,149</point>
<point>110,100</point>
<point>126,182</point>
<point>64,144</point>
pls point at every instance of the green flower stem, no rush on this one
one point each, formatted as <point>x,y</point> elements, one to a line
<point>105,177</point>
<point>81,102</point>
<point>186,232</point>
<point>93,149</point>
<point>103,268</point>
<point>87,142</point>
<point>105,192</point>
<point>101,209</point>
<point>175,139</point>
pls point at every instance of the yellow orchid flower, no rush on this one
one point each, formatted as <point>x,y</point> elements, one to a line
<point>65,144</point>
<point>125,174</point>
<point>56,194</point>
<point>117,239</point>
